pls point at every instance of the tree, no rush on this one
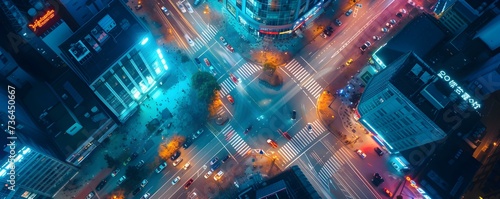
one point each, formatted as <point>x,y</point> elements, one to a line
<point>269,67</point>
<point>112,162</point>
<point>117,194</point>
<point>167,149</point>
<point>206,85</point>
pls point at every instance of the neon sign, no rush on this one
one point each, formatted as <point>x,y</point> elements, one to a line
<point>41,21</point>
<point>465,96</point>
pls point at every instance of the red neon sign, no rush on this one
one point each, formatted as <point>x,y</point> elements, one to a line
<point>42,20</point>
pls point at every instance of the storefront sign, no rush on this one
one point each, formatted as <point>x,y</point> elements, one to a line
<point>42,23</point>
<point>465,96</point>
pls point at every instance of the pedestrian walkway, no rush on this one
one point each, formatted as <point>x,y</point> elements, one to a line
<point>300,141</point>
<point>226,87</point>
<point>304,78</point>
<point>247,70</point>
<point>331,167</point>
<point>205,36</point>
<point>235,140</point>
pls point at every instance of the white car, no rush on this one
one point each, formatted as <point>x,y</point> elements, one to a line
<point>176,162</point>
<point>188,6</point>
<point>176,180</point>
<point>212,70</point>
<point>186,166</point>
<point>189,40</point>
<point>120,181</point>
<point>144,183</point>
<point>361,154</point>
<point>181,6</point>
<point>198,133</point>
<point>165,10</point>
<point>219,175</point>
<point>208,174</point>
<point>309,127</point>
<point>91,195</point>
<point>146,196</point>
<point>161,167</point>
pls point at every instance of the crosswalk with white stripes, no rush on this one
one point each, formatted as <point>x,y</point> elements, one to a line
<point>247,70</point>
<point>226,86</point>
<point>329,168</point>
<point>305,79</point>
<point>235,140</point>
<point>300,141</point>
<point>205,36</point>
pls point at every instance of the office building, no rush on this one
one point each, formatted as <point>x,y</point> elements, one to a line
<point>11,73</point>
<point>275,18</point>
<point>457,17</point>
<point>408,104</point>
<point>115,54</point>
<point>83,11</point>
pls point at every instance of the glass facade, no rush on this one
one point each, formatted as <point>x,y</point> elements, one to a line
<point>128,81</point>
<point>272,17</point>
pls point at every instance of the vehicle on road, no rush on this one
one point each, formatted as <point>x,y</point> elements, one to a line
<point>146,196</point>
<point>188,6</point>
<point>349,12</point>
<point>378,151</point>
<point>230,99</point>
<point>139,164</point>
<point>215,166</point>
<point>294,114</point>
<point>392,21</point>
<point>384,29</point>
<point>208,174</point>
<point>338,22</point>
<point>161,167</point>
<point>186,166</point>
<point>225,159</point>
<point>224,42</point>
<point>230,48</point>
<point>395,166</point>
<point>387,192</point>
<point>207,62</point>
<point>165,10</point>
<point>197,60</point>
<point>187,143</point>
<point>189,40</point>
<point>365,46</point>
<point>176,180</point>
<point>349,62</point>
<point>377,179</point>
<point>287,136</point>
<point>272,143</point>
<point>125,163</point>
<point>376,38</point>
<point>91,195</point>
<point>101,185</point>
<point>360,153</point>
<point>134,155</point>
<point>196,2</point>
<point>309,127</point>
<point>176,162</point>
<point>116,171</point>
<point>219,175</point>
<point>248,129</point>
<point>122,179</point>
<point>215,160</point>
<point>234,78</point>
<point>175,155</point>
<point>198,133</point>
<point>144,183</point>
<point>188,183</point>
<point>212,71</point>
<point>138,7</point>
<point>181,7</point>
<point>136,190</point>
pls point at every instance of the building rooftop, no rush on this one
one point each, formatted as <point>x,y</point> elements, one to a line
<point>421,35</point>
<point>102,40</point>
<point>433,95</point>
<point>291,183</point>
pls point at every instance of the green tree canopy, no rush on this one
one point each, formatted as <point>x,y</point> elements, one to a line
<point>269,66</point>
<point>112,163</point>
<point>205,84</point>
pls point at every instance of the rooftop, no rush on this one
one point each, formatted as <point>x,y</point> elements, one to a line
<point>421,35</point>
<point>103,40</point>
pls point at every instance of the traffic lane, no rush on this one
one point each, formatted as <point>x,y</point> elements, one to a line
<point>197,160</point>
<point>169,21</point>
<point>180,19</point>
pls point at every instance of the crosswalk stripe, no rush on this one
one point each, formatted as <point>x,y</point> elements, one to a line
<point>320,126</point>
<point>327,171</point>
<point>297,143</point>
<point>244,72</point>
<point>237,142</point>
<point>287,66</point>
<point>311,84</point>
<point>308,138</point>
<point>324,180</point>
<point>330,168</point>
<point>288,152</point>
<point>302,140</point>
<point>226,129</point>
<point>316,91</point>
<point>212,29</point>
<point>295,68</point>
<point>303,74</point>
<point>244,151</point>
<point>206,37</point>
<point>284,155</point>
<point>239,145</point>
<point>307,83</point>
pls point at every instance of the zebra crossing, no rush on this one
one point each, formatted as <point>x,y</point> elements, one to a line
<point>235,140</point>
<point>305,79</point>
<point>247,70</point>
<point>205,36</point>
<point>329,168</point>
<point>300,141</point>
<point>226,86</point>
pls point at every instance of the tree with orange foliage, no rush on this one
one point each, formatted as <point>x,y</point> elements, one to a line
<point>214,106</point>
<point>168,148</point>
<point>117,194</point>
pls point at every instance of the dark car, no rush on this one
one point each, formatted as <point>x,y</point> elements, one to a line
<point>225,159</point>
<point>197,60</point>
<point>134,155</point>
<point>187,143</point>
<point>176,155</point>
<point>101,185</point>
<point>377,179</point>
<point>379,151</point>
<point>348,12</point>
<point>215,166</point>
<point>137,190</point>
<point>294,114</point>
<point>188,183</point>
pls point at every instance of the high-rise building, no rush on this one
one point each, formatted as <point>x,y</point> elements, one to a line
<point>36,175</point>
<point>408,104</point>
<point>115,54</point>
<point>462,13</point>
<point>11,73</point>
<point>275,18</point>
<point>83,11</point>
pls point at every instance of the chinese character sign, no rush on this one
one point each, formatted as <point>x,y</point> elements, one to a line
<point>465,96</point>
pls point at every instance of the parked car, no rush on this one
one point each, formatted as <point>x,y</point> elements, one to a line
<point>338,22</point>
<point>365,46</point>
<point>186,166</point>
<point>134,155</point>
<point>215,166</point>
<point>188,183</point>
<point>197,60</point>
<point>349,12</point>
<point>187,143</point>
<point>138,7</point>
<point>198,133</point>
<point>122,179</point>
<point>360,153</point>
<point>140,164</point>
<point>392,21</point>
<point>215,160</point>
<point>116,171</point>
<point>272,143</point>
<point>125,163</point>
<point>181,7</point>
<point>91,195</point>
<point>225,159</point>
<point>208,174</point>
<point>349,62</point>
<point>176,180</point>
<point>137,190</point>
<point>175,155</point>
<point>188,6</point>
<point>161,167</point>
<point>219,175</point>
<point>144,183</point>
<point>176,162</point>
<point>101,185</point>
<point>294,114</point>
<point>376,38</point>
<point>385,29</point>
<point>378,151</point>
<point>165,10</point>
<point>230,99</point>
<point>387,192</point>
<point>146,196</point>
